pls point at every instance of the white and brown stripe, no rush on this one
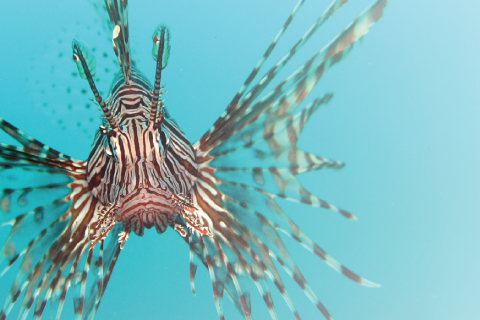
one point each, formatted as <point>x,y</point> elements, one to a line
<point>140,171</point>
<point>143,172</point>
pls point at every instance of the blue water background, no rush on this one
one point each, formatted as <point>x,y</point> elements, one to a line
<point>405,119</point>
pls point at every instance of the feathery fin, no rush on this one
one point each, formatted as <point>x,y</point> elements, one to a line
<point>250,157</point>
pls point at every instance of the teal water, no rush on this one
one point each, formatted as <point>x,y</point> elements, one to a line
<point>404,118</point>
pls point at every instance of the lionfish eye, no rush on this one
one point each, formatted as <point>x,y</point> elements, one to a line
<point>110,143</point>
<point>108,148</point>
<point>165,140</point>
<point>111,147</point>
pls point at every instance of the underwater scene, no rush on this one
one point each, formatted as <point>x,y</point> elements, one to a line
<point>267,159</point>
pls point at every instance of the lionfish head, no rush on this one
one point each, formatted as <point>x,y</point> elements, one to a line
<point>142,167</point>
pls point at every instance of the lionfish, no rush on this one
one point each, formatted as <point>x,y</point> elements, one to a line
<point>70,219</point>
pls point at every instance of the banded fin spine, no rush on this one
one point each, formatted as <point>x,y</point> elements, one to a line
<point>249,158</point>
<point>238,107</point>
<point>48,208</point>
<point>161,53</point>
<point>86,65</point>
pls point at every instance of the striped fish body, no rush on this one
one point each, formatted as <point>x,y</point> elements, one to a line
<point>220,193</point>
<point>141,174</point>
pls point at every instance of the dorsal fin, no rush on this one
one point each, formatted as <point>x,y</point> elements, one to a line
<point>118,12</point>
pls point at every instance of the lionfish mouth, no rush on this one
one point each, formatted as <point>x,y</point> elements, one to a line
<point>145,208</point>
